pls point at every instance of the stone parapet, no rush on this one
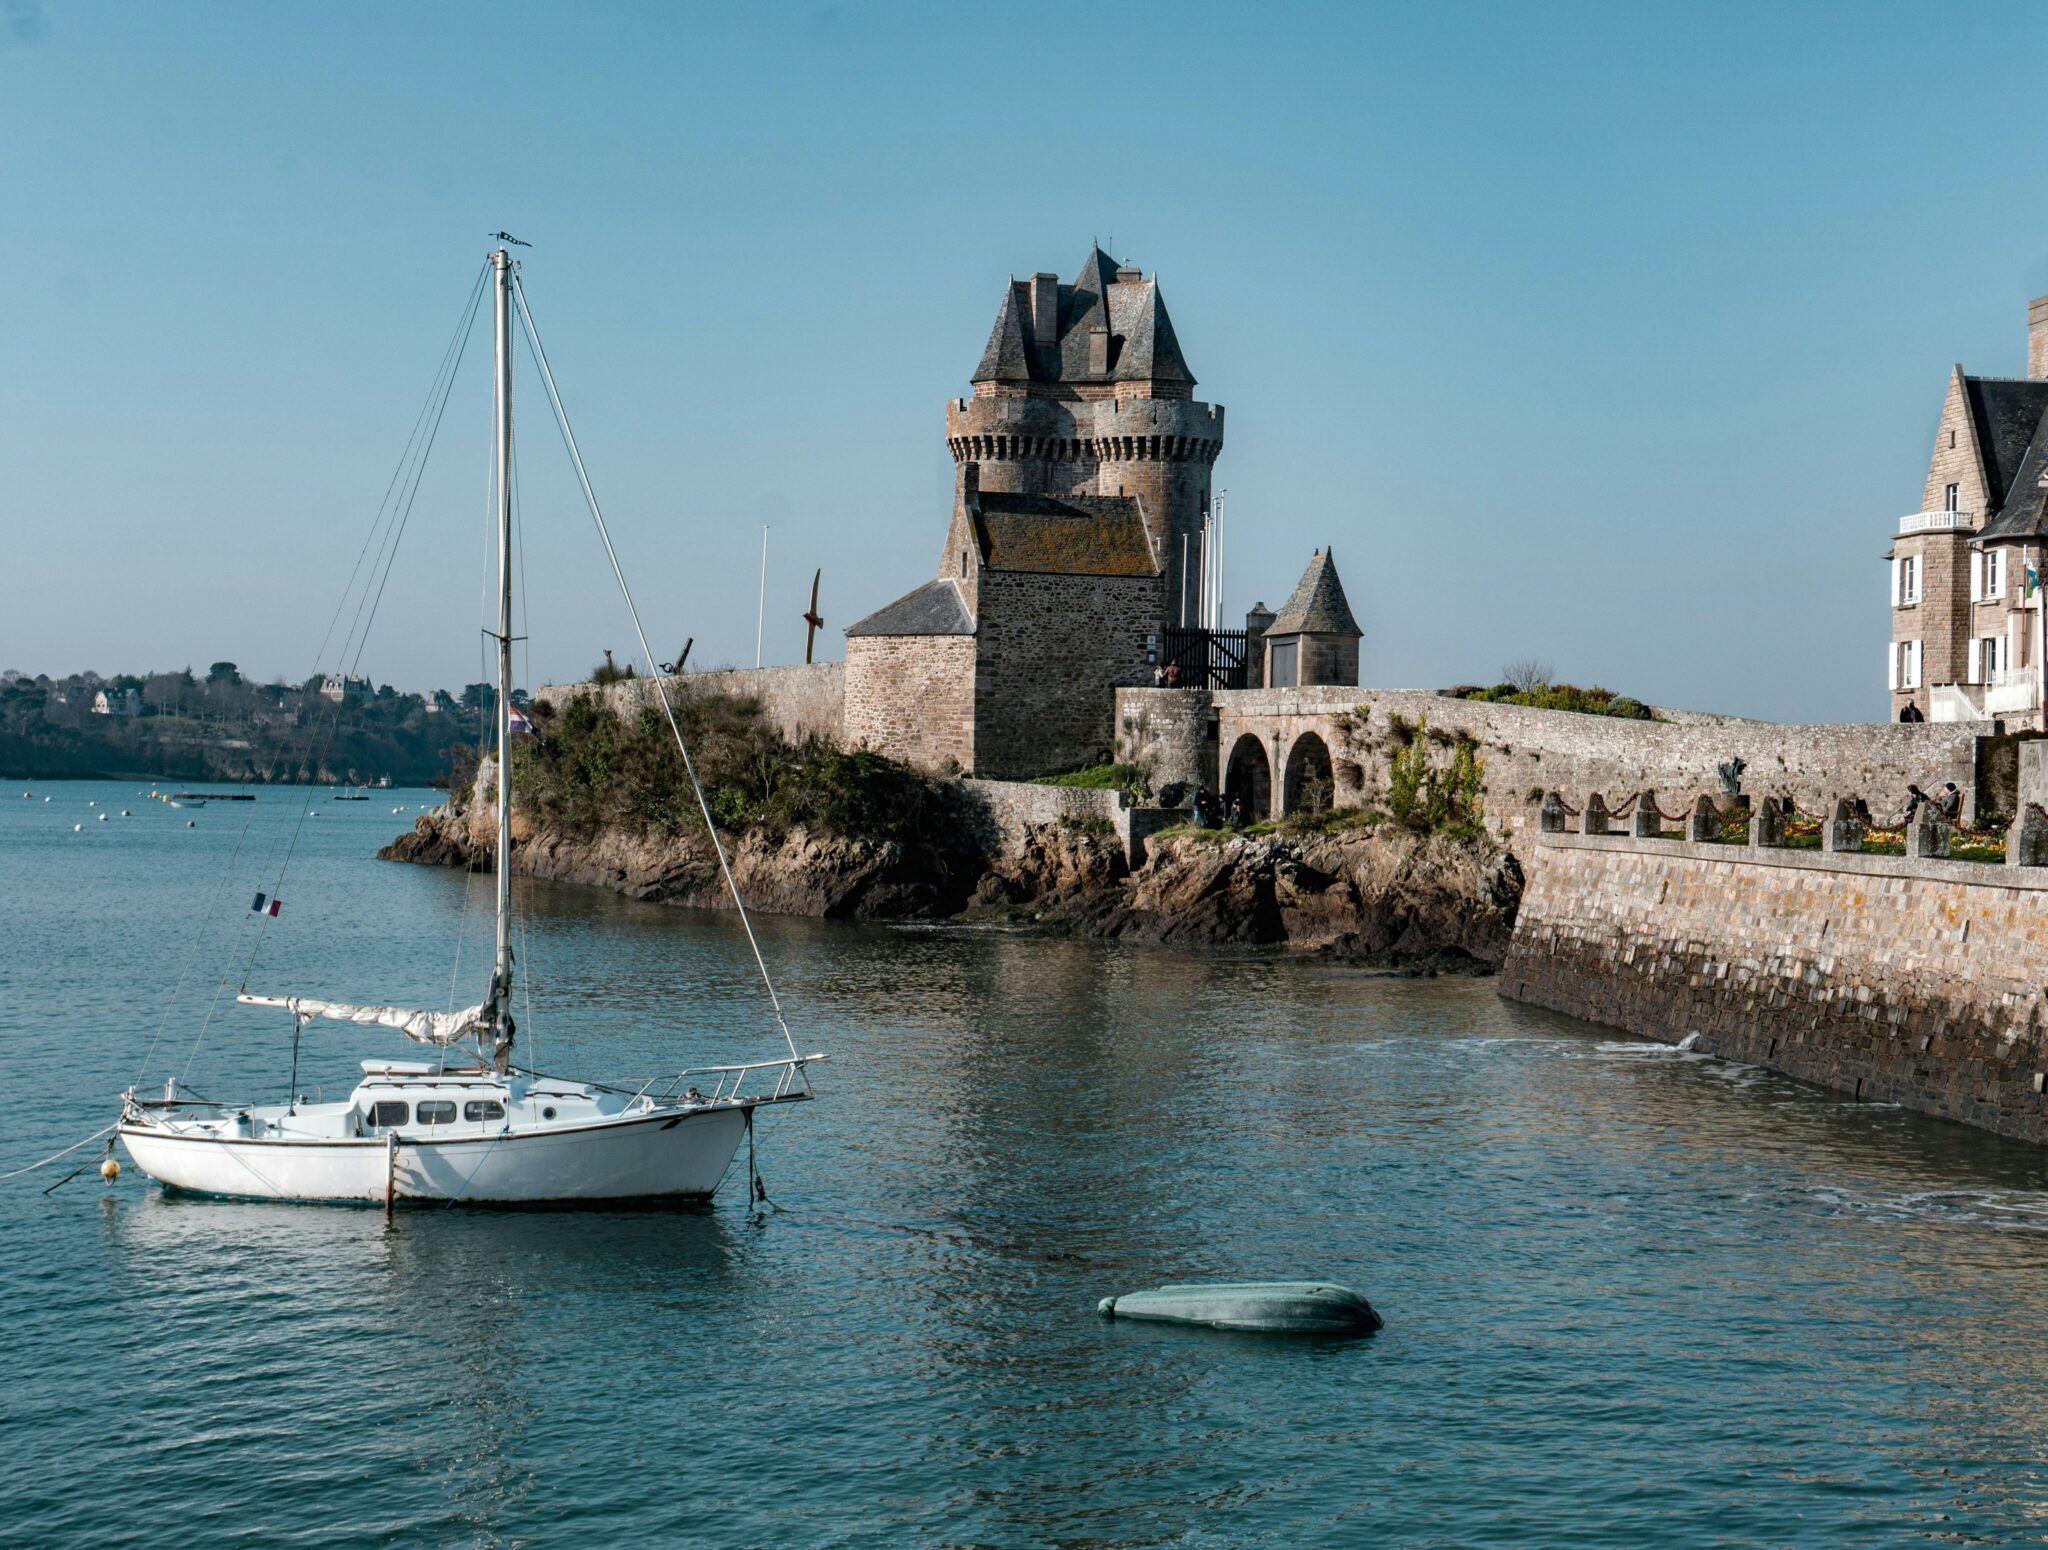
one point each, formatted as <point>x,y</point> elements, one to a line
<point>1905,980</point>
<point>1527,751</point>
<point>806,700</point>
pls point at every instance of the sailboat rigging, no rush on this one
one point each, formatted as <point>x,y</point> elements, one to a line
<point>487,1131</point>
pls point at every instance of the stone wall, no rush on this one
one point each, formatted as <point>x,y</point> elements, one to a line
<point>912,697</point>
<point>1002,812</point>
<point>1050,650</point>
<point>1900,981</point>
<point>1172,733</point>
<point>808,700</point>
<point>1527,751</point>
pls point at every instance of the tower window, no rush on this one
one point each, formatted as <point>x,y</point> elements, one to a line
<point>1951,440</point>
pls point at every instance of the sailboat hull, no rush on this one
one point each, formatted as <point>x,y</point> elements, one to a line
<point>660,1156</point>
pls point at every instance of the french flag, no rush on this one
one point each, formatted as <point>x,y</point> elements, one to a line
<point>516,719</point>
<point>265,905</point>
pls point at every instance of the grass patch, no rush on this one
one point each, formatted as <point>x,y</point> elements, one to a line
<point>1595,701</point>
<point>1133,780</point>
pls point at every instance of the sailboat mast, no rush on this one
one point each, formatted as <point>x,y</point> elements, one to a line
<point>501,977</point>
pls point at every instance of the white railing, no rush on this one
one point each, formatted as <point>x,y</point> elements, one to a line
<point>1938,521</point>
<point>729,1082</point>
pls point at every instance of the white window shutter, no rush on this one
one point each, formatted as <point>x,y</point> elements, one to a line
<point>1914,682</point>
<point>1898,583</point>
<point>1976,655</point>
<point>1998,573</point>
<point>1891,664</point>
<point>1977,591</point>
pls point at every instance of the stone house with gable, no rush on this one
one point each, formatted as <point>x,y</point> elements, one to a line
<point>1966,630</point>
<point>1006,663</point>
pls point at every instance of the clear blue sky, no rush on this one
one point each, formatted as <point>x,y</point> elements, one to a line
<point>1611,335</point>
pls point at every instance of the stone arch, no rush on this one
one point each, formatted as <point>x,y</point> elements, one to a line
<point>1249,773</point>
<point>1308,760</point>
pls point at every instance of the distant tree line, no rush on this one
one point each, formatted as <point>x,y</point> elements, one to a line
<point>222,727</point>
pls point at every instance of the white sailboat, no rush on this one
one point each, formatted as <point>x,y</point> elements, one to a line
<point>479,1130</point>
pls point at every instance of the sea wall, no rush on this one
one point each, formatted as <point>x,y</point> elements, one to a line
<point>1915,982</point>
<point>806,700</point>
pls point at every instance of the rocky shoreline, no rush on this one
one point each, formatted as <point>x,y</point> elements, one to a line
<point>1382,896</point>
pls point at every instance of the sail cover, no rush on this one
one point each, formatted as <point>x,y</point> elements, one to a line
<point>421,1027</point>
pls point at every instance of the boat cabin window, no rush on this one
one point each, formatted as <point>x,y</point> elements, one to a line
<point>383,1114</point>
<point>488,1108</point>
<point>435,1113</point>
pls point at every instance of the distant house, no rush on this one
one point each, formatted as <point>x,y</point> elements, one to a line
<point>116,702</point>
<point>337,687</point>
<point>439,702</point>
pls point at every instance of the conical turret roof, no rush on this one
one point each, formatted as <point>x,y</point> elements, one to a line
<point>1317,606</point>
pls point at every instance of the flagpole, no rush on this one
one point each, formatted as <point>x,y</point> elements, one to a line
<point>761,609</point>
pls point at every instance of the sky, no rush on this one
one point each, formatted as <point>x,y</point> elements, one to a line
<point>1611,336</point>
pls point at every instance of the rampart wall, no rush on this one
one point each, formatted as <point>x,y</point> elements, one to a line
<point>1528,751</point>
<point>800,701</point>
<point>1909,981</point>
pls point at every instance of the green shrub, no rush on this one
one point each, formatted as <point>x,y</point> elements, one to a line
<point>1595,701</point>
<point>1133,780</point>
<point>586,769</point>
<point>1433,800</point>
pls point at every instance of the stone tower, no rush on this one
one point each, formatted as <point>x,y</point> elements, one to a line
<point>1083,391</point>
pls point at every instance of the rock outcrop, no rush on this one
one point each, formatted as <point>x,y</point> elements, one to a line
<point>1384,895</point>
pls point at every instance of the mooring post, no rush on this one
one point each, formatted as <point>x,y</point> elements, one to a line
<point>1648,823</point>
<point>1843,830</point>
<point>1927,840</point>
<point>1767,826</point>
<point>2026,842</point>
<point>1705,823</point>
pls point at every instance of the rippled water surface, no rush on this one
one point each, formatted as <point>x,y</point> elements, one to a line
<point>1633,1297</point>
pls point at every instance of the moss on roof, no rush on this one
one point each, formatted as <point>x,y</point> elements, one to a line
<point>1066,535</point>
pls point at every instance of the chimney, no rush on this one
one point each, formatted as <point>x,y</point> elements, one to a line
<point>1045,310</point>
<point>1126,275</point>
<point>1098,351</point>
<point>2037,337</point>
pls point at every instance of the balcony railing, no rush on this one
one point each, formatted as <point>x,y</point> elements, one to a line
<point>1939,521</point>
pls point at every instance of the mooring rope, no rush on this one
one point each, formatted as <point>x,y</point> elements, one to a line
<point>74,1146</point>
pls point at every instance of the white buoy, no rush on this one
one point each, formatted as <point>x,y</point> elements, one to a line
<point>78,828</point>
<point>126,814</point>
<point>190,824</point>
<point>103,817</point>
<point>46,799</point>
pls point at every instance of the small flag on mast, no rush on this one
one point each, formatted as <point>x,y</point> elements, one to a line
<point>265,905</point>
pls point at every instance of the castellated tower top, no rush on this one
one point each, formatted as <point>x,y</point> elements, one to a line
<point>1107,332</point>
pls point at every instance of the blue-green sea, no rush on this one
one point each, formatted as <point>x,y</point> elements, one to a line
<point>1633,1297</point>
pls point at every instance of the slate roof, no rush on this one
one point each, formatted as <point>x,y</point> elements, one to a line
<point>2010,416</point>
<point>2006,412</point>
<point>1142,344</point>
<point>1317,605</point>
<point>936,608</point>
<point>1065,535</point>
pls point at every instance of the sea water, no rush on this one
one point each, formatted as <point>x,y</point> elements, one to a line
<point>1633,1296</point>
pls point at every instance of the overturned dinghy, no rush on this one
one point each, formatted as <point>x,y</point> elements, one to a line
<point>1282,1307</point>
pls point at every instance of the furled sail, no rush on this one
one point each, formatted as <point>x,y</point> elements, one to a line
<point>421,1027</point>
